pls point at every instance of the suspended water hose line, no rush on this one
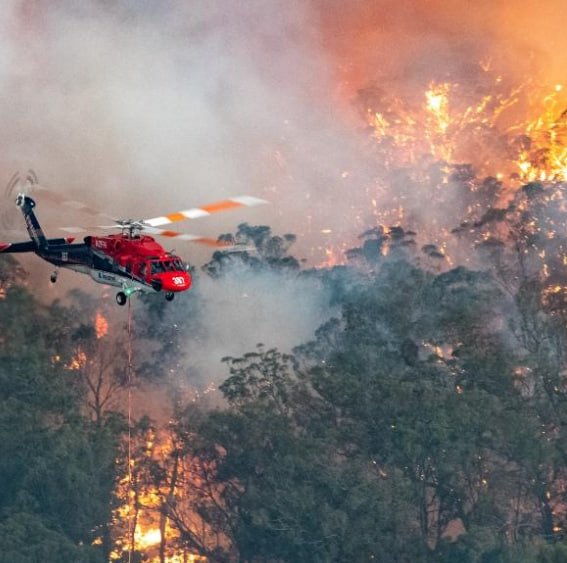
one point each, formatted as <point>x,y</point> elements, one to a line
<point>130,496</point>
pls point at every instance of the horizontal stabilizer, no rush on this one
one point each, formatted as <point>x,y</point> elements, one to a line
<point>30,246</point>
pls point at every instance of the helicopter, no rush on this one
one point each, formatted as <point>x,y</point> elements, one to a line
<point>130,260</point>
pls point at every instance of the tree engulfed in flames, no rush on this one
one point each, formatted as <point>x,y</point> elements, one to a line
<point>154,490</point>
<point>78,361</point>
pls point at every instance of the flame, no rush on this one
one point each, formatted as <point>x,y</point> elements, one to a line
<point>78,361</point>
<point>437,103</point>
<point>450,129</point>
<point>334,256</point>
<point>147,538</point>
<point>489,127</point>
<point>101,325</point>
<point>144,507</point>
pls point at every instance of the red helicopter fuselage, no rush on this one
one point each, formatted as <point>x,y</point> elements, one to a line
<point>142,259</point>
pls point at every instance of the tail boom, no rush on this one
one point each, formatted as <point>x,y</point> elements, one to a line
<point>26,204</point>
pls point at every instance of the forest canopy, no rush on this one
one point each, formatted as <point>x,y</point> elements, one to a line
<point>425,420</point>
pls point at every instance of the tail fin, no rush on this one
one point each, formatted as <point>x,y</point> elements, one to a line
<point>26,204</point>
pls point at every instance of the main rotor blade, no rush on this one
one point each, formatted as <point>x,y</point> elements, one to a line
<point>118,226</point>
<point>147,224</point>
<point>208,241</point>
<point>196,212</point>
<point>63,201</point>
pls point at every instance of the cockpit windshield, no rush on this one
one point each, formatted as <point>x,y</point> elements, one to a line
<point>169,265</point>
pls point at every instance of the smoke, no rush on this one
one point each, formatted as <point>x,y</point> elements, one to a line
<point>247,307</point>
<point>141,108</point>
<point>144,107</point>
<point>409,41</point>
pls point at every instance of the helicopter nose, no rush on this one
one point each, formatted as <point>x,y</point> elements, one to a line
<point>176,281</point>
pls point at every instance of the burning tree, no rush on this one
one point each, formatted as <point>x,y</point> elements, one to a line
<point>155,518</point>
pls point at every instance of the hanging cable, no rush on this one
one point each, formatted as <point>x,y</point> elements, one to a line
<point>129,492</point>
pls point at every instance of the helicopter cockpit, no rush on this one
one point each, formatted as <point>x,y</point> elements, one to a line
<point>167,273</point>
<point>172,264</point>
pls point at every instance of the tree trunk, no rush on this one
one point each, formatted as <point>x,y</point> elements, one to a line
<point>165,506</point>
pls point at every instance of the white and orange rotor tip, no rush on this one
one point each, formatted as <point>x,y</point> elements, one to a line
<point>196,212</point>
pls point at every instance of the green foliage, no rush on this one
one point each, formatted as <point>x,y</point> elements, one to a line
<point>254,247</point>
<point>56,469</point>
<point>478,547</point>
<point>424,423</point>
<point>24,538</point>
<point>261,376</point>
<point>287,492</point>
<point>402,421</point>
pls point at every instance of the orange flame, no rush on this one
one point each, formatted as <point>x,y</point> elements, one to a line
<point>78,361</point>
<point>455,125</point>
<point>144,509</point>
<point>101,325</point>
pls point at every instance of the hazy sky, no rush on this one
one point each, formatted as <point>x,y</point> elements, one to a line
<point>142,108</point>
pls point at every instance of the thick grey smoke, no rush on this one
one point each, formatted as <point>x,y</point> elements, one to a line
<point>143,107</point>
<point>247,307</point>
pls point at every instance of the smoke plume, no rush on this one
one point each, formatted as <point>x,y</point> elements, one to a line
<point>143,108</point>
